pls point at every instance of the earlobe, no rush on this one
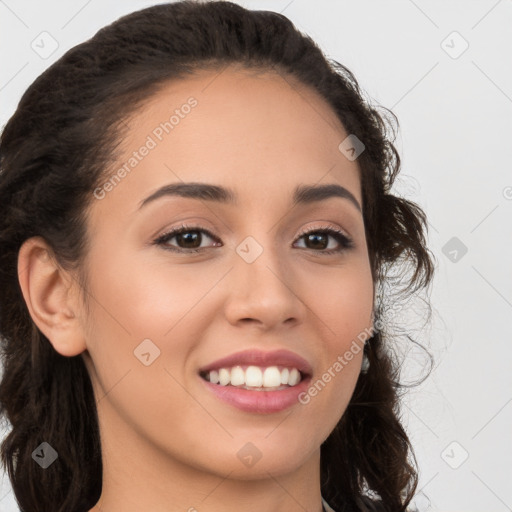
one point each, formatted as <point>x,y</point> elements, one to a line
<point>48,291</point>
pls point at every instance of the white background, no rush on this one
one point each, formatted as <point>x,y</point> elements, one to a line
<point>455,140</point>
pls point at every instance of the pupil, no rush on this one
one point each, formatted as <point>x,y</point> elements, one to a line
<point>190,237</point>
<point>314,237</point>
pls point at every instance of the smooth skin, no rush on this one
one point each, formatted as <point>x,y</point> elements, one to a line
<point>168,444</point>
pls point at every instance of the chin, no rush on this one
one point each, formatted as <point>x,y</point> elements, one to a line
<point>256,460</point>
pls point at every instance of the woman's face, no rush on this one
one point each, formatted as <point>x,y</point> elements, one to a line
<point>258,291</point>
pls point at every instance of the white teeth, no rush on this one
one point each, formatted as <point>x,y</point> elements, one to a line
<point>214,376</point>
<point>255,377</point>
<point>237,376</point>
<point>271,377</point>
<point>294,377</point>
<point>224,377</point>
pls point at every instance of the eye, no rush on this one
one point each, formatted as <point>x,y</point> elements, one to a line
<point>188,239</point>
<point>319,240</point>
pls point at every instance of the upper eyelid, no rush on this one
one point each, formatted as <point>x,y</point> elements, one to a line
<point>326,227</point>
<point>177,229</point>
<point>171,233</point>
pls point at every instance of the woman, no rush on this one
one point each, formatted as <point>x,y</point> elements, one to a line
<point>196,231</point>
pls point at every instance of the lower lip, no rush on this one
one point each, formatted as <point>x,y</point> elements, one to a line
<point>262,402</point>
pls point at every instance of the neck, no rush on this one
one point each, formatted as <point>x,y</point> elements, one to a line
<point>209,493</point>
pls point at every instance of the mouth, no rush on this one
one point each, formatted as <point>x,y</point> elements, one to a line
<point>255,381</point>
<point>255,378</point>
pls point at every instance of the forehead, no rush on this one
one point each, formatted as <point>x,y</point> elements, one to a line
<point>257,131</point>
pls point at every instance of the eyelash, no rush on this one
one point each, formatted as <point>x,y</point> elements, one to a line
<point>344,241</point>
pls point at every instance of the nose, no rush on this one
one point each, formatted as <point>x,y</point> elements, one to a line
<point>264,292</point>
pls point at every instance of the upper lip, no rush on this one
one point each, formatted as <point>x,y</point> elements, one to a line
<point>260,358</point>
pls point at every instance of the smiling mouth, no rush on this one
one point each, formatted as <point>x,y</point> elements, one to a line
<point>255,378</point>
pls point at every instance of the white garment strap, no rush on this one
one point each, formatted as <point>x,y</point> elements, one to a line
<point>326,506</point>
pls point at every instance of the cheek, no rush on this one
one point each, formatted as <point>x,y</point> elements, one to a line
<point>139,317</point>
<point>136,301</point>
<point>343,301</point>
<point>147,300</point>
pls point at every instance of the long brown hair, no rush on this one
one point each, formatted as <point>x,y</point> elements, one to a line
<point>53,153</point>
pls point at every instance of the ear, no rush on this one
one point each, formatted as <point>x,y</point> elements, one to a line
<point>51,297</point>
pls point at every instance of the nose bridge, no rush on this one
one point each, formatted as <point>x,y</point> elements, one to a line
<point>261,262</point>
<point>263,287</point>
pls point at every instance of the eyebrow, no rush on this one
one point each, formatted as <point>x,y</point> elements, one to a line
<point>303,194</point>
